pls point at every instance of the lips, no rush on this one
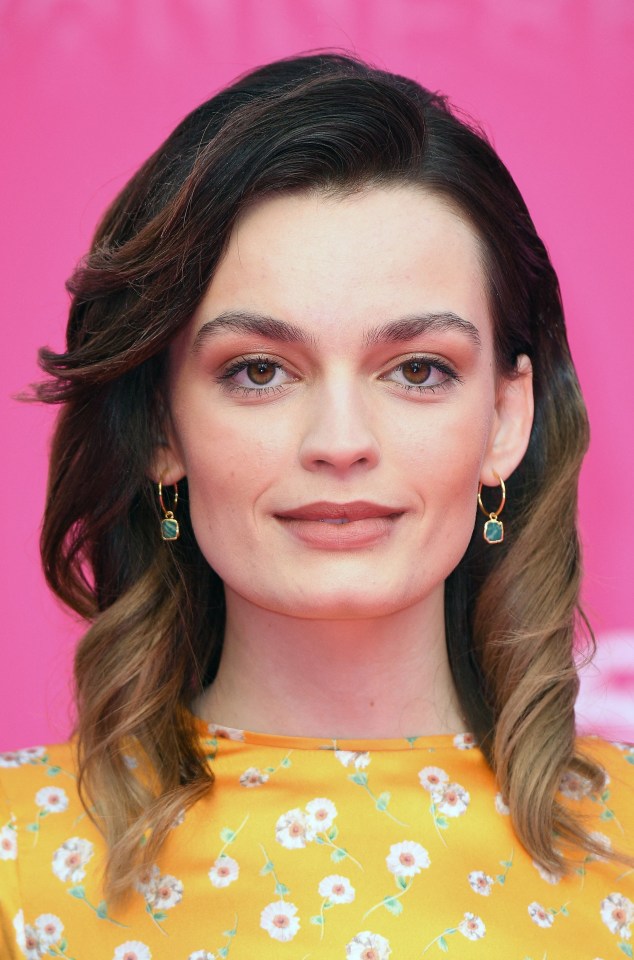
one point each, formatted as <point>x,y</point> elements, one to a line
<point>340,513</point>
<point>340,526</point>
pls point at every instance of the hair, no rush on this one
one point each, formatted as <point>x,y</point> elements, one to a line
<point>323,122</point>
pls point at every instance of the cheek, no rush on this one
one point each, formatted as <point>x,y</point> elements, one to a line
<point>228,469</point>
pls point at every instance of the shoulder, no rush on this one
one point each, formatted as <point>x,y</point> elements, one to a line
<point>616,758</point>
<point>613,806</point>
<point>27,775</point>
<point>39,807</point>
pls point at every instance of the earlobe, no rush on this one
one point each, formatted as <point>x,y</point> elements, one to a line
<point>512,425</point>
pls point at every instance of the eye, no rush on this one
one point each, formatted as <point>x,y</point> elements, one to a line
<point>255,375</point>
<point>425,374</point>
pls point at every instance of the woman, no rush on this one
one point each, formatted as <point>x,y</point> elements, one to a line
<point>315,331</point>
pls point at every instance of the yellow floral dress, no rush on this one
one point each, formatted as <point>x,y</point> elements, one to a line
<point>317,850</point>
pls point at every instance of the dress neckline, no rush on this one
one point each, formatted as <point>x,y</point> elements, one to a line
<point>442,741</point>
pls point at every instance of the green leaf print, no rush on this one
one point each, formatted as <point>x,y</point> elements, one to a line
<point>78,892</point>
<point>383,801</point>
<point>227,835</point>
<point>285,762</point>
<point>102,909</point>
<point>318,921</point>
<point>281,889</point>
<point>393,905</point>
<point>53,771</point>
<point>626,948</point>
<point>402,883</point>
<point>360,778</point>
<point>333,833</point>
<point>267,868</point>
<point>442,943</point>
<point>337,855</point>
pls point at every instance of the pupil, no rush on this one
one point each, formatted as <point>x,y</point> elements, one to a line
<point>417,371</point>
<point>261,373</point>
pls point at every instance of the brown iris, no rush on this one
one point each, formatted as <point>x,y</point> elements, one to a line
<point>260,372</point>
<point>416,371</point>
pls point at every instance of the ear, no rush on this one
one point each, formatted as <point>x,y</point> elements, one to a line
<point>512,422</point>
<point>167,464</point>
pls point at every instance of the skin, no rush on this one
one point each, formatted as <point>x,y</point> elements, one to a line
<point>341,641</point>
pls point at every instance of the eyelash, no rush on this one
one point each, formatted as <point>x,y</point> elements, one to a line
<point>225,378</point>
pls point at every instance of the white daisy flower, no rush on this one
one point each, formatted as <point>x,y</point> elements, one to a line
<point>229,733</point>
<point>224,871</point>
<point>336,889</point>
<point>253,777</point>
<point>368,946</point>
<point>167,893</point>
<point>52,799</point>
<point>545,874</point>
<point>18,926</point>
<point>464,741</point>
<point>603,841</point>
<point>9,758</point>
<point>451,799</point>
<point>147,880</point>
<point>49,928</point>
<point>201,955</point>
<point>70,859</point>
<point>279,920</point>
<point>320,814</point>
<point>501,807</point>
<point>33,948</point>
<point>29,754</point>
<point>472,927</point>
<point>8,843</point>
<point>574,786</point>
<point>359,759</point>
<point>431,778</point>
<point>132,950</point>
<point>293,830</point>
<point>480,882</point>
<point>407,858</point>
<point>540,915</point>
<point>617,913</point>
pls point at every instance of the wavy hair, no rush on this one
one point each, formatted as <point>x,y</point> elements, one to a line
<point>324,122</point>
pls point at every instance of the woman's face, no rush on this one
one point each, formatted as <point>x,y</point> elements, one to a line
<point>334,403</point>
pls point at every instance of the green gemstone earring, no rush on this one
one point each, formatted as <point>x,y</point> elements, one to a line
<point>169,524</point>
<point>493,528</point>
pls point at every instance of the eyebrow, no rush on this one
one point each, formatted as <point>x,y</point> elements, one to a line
<point>392,331</point>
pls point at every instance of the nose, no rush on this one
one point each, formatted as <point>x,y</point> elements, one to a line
<point>339,435</point>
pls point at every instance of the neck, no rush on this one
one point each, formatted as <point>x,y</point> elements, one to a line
<point>380,678</point>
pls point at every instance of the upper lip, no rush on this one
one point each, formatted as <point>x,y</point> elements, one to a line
<point>324,510</point>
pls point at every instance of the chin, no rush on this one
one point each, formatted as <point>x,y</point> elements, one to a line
<point>336,602</point>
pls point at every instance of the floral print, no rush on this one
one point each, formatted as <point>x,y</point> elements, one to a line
<point>69,860</point>
<point>224,871</point>
<point>407,859</point>
<point>132,950</point>
<point>280,921</point>
<point>368,946</point>
<point>310,849</point>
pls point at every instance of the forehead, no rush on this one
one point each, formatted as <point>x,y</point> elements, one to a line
<point>332,261</point>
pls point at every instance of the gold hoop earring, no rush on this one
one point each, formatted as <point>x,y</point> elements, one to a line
<point>169,524</point>
<point>493,531</point>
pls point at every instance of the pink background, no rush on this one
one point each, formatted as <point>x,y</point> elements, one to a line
<point>90,87</point>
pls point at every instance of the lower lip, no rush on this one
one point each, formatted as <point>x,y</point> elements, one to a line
<point>341,536</point>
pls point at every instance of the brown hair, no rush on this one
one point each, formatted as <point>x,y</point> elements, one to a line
<point>324,122</point>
